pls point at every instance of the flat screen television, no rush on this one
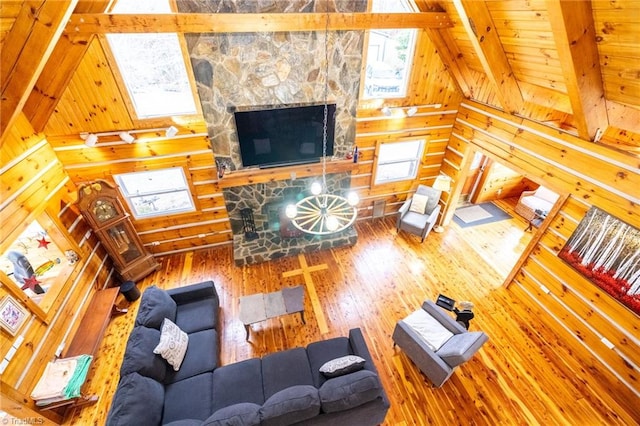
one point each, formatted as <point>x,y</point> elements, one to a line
<point>283,136</point>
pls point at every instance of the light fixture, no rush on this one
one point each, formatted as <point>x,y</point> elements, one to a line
<point>91,139</point>
<point>412,111</point>
<point>387,111</point>
<point>126,137</point>
<point>442,183</point>
<point>322,213</point>
<point>171,131</point>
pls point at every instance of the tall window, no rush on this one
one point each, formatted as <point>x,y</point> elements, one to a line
<point>398,161</point>
<point>389,55</point>
<point>157,192</point>
<point>152,65</point>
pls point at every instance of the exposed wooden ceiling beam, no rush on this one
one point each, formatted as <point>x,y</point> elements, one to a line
<point>59,70</point>
<point>250,22</point>
<point>478,23</point>
<point>574,33</point>
<point>452,59</point>
<point>26,49</point>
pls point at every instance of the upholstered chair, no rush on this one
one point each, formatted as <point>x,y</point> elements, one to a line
<point>435,342</point>
<point>419,214</point>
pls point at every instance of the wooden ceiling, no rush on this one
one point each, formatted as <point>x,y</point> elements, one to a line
<point>574,65</point>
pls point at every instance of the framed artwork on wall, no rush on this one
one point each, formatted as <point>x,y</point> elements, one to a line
<point>12,315</point>
<point>606,251</point>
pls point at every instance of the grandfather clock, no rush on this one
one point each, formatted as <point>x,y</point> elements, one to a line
<point>99,204</point>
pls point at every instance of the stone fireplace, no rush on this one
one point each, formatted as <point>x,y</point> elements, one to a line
<point>267,202</point>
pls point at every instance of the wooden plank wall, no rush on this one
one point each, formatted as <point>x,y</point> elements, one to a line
<point>591,175</point>
<point>33,183</point>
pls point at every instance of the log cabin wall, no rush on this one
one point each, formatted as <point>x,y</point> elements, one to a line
<point>35,184</point>
<point>591,175</point>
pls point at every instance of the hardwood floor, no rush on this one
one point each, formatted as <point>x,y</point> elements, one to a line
<point>525,374</point>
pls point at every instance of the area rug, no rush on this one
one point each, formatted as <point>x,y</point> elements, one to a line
<point>479,214</point>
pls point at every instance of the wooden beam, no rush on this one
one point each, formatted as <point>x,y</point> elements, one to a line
<point>477,21</point>
<point>59,69</point>
<point>250,22</point>
<point>25,51</point>
<point>574,34</point>
<point>453,59</point>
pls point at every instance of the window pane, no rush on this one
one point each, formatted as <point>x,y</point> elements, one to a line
<point>156,192</point>
<point>170,202</point>
<point>151,182</point>
<point>396,171</point>
<point>154,72</point>
<point>390,152</point>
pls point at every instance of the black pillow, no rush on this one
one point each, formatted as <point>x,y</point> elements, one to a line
<point>343,365</point>
<point>156,305</point>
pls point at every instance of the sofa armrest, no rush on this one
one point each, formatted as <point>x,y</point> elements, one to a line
<point>360,348</point>
<point>443,318</point>
<point>402,211</point>
<point>193,292</point>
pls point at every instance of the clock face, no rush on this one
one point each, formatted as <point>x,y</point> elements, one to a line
<point>104,210</point>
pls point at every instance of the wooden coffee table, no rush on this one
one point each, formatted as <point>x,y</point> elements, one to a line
<point>263,306</point>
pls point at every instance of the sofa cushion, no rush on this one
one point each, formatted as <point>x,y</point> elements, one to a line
<point>238,382</point>
<point>242,414</point>
<point>138,401</point>
<point>173,344</point>
<point>284,369</point>
<point>348,391</point>
<point>201,357</point>
<point>323,351</point>
<point>189,398</point>
<point>155,306</point>
<point>139,356</point>
<point>184,422</point>
<point>433,333</point>
<point>461,347</point>
<point>291,405</point>
<point>343,365</point>
<point>197,315</point>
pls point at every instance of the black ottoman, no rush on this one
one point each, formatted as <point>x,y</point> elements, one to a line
<point>129,291</point>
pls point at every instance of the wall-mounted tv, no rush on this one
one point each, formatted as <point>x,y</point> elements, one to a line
<point>282,136</point>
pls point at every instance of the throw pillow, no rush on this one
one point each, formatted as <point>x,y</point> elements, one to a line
<point>156,305</point>
<point>432,332</point>
<point>241,414</point>
<point>173,344</point>
<point>343,365</point>
<point>419,203</point>
<point>291,405</point>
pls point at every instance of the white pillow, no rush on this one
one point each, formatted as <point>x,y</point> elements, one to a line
<point>432,332</point>
<point>546,194</point>
<point>419,203</point>
<point>173,344</point>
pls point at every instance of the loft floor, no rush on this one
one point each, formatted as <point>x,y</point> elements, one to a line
<point>526,374</point>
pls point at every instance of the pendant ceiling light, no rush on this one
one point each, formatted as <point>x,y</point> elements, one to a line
<point>322,213</point>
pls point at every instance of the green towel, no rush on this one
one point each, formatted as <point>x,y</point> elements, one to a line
<point>72,390</point>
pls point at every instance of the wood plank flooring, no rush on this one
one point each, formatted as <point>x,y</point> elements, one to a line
<point>526,373</point>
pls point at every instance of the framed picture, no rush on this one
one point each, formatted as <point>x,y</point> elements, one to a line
<point>606,251</point>
<point>12,315</point>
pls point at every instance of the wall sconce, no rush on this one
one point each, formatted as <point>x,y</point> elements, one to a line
<point>386,111</point>
<point>171,131</point>
<point>90,139</point>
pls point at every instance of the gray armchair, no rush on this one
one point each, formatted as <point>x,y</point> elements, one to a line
<point>416,223</point>
<point>438,365</point>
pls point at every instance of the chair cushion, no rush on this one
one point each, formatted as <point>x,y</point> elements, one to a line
<point>433,194</point>
<point>428,328</point>
<point>290,405</point>
<point>139,356</point>
<point>348,391</point>
<point>241,414</point>
<point>155,306</point>
<point>418,203</point>
<point>137,401</point>
<point>173,344</point>
<point>461,347</point>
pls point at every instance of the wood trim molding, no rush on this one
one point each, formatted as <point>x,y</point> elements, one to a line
<point>250,22</point>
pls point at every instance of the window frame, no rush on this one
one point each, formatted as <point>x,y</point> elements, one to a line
<point>379,161</point>
<point>132,206</point>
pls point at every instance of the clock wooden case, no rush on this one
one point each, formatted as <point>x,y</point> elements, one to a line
<point>99,204</point>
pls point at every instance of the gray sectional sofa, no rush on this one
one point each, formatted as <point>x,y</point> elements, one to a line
<point>282,388</point>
